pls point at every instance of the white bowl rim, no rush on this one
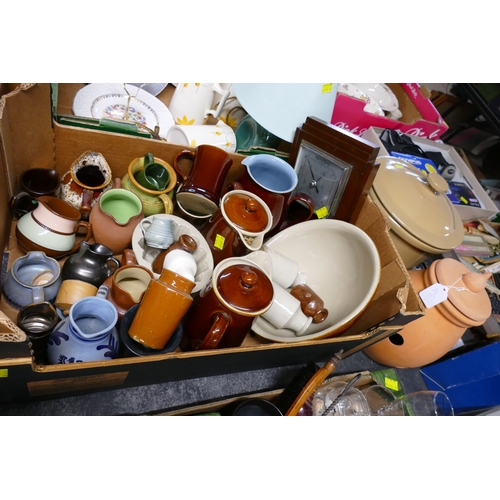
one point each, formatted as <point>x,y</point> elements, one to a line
<point>264,329</point>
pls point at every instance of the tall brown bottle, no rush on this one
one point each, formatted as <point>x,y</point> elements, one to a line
<point>163,306</point>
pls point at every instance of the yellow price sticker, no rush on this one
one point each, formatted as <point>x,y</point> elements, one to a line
<point>429,167</point>
<point>464,200</point>
<point>4,373</point>
<point>391,384</point>
<point>322,212</point>
<point>219,242</point>
<point>327,88</point>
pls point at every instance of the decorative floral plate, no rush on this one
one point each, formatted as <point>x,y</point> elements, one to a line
<point>118,101</point>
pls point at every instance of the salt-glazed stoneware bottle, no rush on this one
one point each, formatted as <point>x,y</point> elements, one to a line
<point>89,333</point>
<point>431,336</point>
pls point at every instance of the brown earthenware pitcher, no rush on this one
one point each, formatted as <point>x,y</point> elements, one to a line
<point>114,218</point>
<point>200,190</point>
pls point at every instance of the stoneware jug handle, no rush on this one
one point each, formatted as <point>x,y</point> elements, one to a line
<point>177,157</point>
<point>88,234</point>
<point>168,204</point>
<point>234,185</point>
<point>112,269</point>
<point>141,225</point>
<point>304,198</point>
<point>213,337</point>
<point>128,257</point>
<point>86,206</point>
<point>102,292</point>
<point>38,295</point>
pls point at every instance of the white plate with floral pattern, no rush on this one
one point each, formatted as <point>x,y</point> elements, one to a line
<point>118,101</point>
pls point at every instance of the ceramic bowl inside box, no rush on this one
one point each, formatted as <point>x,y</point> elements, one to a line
<point>145,255</point>
<point>342,265</point>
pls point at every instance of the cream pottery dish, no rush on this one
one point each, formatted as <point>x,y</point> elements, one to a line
<point>422,219</point>
<point>342,265</point>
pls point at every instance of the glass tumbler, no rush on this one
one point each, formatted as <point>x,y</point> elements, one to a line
<point>419,404</point>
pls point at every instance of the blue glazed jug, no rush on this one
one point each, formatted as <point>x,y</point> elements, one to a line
<point>89,332</point>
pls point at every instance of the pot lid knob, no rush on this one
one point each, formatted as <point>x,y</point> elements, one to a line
<point>437,182</point>
<point>245,289</point>
<point>467,295</point>
<point>248,279</point>
<point>246,212</point>
<point>476,282</point>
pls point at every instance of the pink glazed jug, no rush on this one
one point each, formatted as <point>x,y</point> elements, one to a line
<point>51,228</point>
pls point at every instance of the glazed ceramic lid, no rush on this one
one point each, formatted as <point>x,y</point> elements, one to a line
<point>417,203</point>
<point>245,289</point>
<point>468,294</point>
<point>245,212</point>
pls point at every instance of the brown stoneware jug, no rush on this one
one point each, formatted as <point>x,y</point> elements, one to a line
<point>223,313</point>
<point>200,190</point>
<point>126,287</point>
<point>114,218</point>
<point>431,336</point>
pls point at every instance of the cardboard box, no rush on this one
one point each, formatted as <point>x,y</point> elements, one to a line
<point>420,117</point>
<point>471,380</point>
<point>30,138</point>
<point>463,175</point>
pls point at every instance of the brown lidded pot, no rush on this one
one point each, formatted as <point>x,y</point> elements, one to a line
<point>239,226</point>
<point>431,336</point>
<point>223,313</point>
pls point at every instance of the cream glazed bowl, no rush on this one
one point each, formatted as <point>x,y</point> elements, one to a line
<point>342,265</point>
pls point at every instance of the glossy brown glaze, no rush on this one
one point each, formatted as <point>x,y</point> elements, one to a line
<point>201,189</point>
<point>222,315</point>
<point>310,302</point>
<point>163,306</point>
